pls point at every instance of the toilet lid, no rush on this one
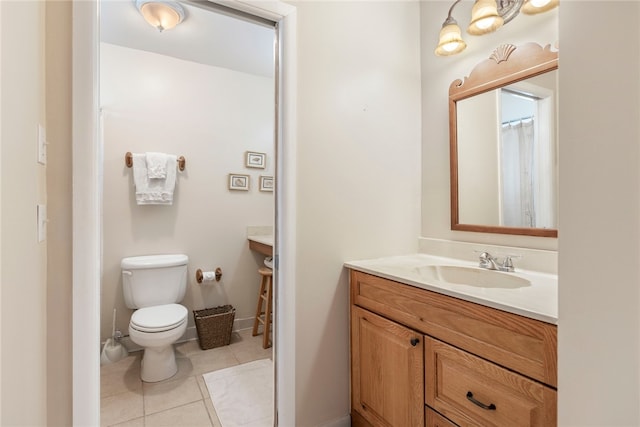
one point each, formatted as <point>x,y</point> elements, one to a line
<point>158,318</point>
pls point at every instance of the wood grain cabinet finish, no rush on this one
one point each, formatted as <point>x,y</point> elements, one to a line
<point>387,371</point>
<point>471,391</point>
<point>525,345</point>
<point>500,358</point>
<point>434,419</point>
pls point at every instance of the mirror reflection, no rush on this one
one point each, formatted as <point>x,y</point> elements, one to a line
<point>507,153</point>
<point>503,130</point>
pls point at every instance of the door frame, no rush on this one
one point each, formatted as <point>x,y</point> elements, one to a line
<point>87,182</point>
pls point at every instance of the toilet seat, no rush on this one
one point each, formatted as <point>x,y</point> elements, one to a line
<point>159,318</point>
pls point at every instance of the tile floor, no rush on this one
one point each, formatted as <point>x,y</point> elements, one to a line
<point>182,400</point>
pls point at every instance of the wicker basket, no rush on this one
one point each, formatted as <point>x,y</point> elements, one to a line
<point>214,326</point>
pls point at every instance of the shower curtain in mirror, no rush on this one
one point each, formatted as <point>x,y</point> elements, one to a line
<point>517,174</point>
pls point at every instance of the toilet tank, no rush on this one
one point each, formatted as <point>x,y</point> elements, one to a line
<point>154,279</point>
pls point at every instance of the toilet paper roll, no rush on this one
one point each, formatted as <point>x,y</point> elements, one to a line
<point>208,276</point>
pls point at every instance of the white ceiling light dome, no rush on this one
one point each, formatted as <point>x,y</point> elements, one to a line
<point>161,14</point>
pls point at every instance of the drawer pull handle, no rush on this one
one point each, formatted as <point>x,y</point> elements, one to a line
<point>490,407</point>
<point>414,341</point>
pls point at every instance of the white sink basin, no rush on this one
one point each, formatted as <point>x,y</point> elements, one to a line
<point>472,276</point>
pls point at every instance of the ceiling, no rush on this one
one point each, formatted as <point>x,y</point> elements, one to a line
<point>205,36</point>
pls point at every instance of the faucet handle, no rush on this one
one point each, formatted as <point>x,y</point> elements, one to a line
<point>486,260</point>
<point>507,264</point>
<point>483,254</point>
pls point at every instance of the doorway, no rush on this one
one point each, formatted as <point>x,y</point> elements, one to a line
<point>203,91</point>
<point>87,238</point>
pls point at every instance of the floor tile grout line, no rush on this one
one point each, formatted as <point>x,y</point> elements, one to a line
<point>177,407</point>
<point>144,405</point>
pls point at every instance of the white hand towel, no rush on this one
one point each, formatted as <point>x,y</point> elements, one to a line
<point>157,165</point>
<point>152,191</point>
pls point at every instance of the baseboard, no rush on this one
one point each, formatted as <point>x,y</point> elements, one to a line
<point>240,324</point>
<point>340,422</point>
<point>189,335</point>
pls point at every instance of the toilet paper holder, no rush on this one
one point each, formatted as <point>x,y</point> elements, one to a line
<point>200,275</point>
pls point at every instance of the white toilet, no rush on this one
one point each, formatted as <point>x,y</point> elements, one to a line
<point>154,285</point>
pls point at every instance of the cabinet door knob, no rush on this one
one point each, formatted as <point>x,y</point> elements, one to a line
<point>490,407</point>
<point>414,341</point>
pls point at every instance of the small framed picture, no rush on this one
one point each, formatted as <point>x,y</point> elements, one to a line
<point>255,160</point>
<point>238,182</point>
<point>266,183</point>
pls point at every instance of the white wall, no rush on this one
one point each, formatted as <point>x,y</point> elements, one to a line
<point>599,299</point>
<point>59,199</point>
<point>1,242</point>
<point>358,181</point>
<point>211,116</point>
<point>23,185</point>
<point>477,133</point>
<point>437,75</point>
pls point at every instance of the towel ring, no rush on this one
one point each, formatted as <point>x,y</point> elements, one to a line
<point>128,160</point>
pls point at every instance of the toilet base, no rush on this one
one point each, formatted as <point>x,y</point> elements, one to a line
<point>159,359</point>
<point>158,364</point>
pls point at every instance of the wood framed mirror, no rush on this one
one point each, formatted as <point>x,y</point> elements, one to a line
<point>503,143</point>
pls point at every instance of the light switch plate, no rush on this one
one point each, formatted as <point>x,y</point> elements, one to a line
<point>42,222</point>
<point>42,145</point>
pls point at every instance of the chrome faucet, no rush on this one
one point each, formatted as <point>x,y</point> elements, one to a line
<point>487,261</point>
<point>491,263</point>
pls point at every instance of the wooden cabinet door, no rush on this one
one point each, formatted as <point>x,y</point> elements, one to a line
<point>387,371</point>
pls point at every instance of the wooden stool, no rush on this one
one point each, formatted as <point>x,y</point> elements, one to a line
<point>265,295</point>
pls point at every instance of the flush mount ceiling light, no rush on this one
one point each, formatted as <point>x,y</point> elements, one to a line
<point>486,17</point>
<point>161,14</point>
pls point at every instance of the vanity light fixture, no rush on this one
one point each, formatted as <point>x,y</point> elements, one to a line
<point>486,17</point>
<point>161,14</point>
<point>532,7</point>
<point>450,38</point>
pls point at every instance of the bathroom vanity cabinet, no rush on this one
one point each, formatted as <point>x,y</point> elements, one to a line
<point>423,358</point>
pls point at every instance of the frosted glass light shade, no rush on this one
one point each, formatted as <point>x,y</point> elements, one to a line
<point>484,18</point>
<point>450,41</point>
<point>161,14</point>
<point>531,7</point>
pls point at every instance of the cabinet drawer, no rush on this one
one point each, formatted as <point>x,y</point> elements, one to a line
<point>434,419</point>
<point>524,345</point>
<point>471,391</point>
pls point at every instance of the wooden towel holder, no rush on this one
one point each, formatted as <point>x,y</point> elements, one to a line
<point>128,160</point>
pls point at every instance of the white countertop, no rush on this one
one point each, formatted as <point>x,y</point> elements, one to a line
<point>538,301</point>
<point>264,239</point>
